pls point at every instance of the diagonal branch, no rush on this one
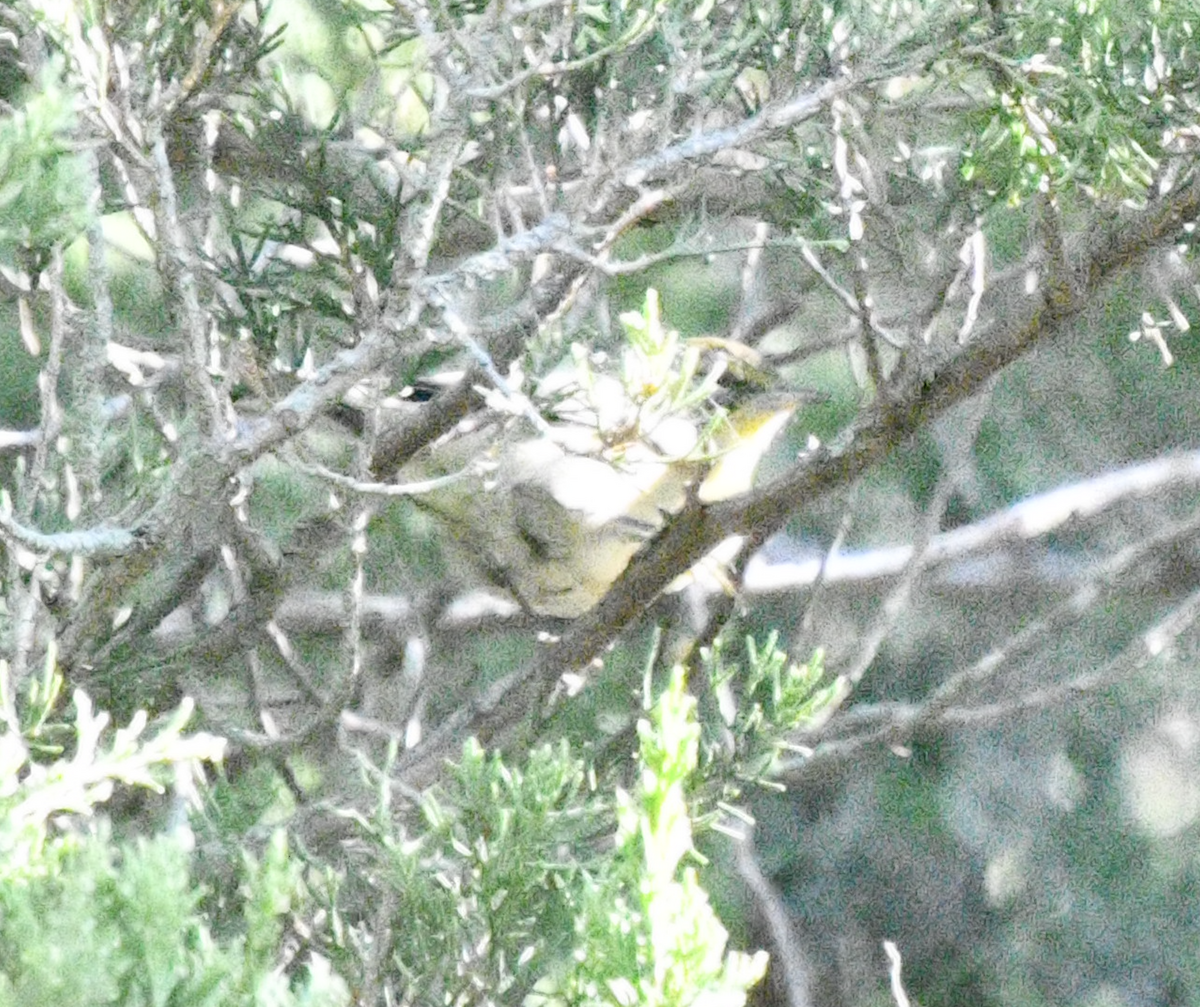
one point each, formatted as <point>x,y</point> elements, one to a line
<point>920,395</point>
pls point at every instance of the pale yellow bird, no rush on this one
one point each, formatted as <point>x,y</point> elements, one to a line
<point>564,487</point>
<point>556,522</point>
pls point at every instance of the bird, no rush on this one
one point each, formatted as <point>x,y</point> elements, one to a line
<point>565,483</point>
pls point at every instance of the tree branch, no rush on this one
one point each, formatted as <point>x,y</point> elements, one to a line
<point>920,394</point>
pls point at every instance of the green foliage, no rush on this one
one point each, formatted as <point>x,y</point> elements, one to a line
<point>87,922</point>
<point>33,792</point>
<point>43,187</point>
<point>774,697</point>
<point>646,933</point>
<point>661,375</point>
<point>483,889</point>
<point>513,883</point>
<point>102,924</point>
<point>1072,98</point>
<point>779,695</point>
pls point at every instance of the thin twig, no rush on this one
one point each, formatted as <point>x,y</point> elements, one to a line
<point>175,261</point>
<point>788,957</point>
<point>370,488</point>
<point>897,599</point>
<point>97,541</point>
